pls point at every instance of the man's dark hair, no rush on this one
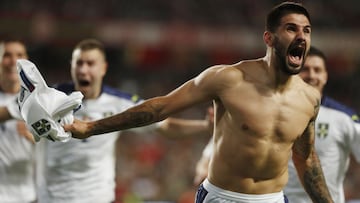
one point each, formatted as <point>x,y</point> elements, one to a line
<point>9,39</point>
<point>12,39</point>
<point>89,44</point>
<point>274,17</point>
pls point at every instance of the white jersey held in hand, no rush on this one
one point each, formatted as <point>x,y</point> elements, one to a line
<point>45,109</point>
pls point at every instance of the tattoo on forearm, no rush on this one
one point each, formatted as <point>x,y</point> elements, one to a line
<point>129,119</point>
<point>314,183</point>
<point>313,178</point>
<point>139,119</point>
<point>126,121</point>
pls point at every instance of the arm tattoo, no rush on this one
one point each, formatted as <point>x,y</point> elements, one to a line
<point>313,178</point>
<point>314,182</point>
<point>303,144</point>
<point>134,117</point>
<point>138,119</point>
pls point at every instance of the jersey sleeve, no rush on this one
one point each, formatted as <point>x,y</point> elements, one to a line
<point>355,142</point>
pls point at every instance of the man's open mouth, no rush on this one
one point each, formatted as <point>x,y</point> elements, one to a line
<point>296,55</point>
<point>84,83</point>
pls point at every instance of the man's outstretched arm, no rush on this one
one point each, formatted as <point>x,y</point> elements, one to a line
<point>137,116</point>
<point>202,88</point>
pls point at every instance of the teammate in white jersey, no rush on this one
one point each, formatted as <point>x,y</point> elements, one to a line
<point>337,136</point>
<point>16,147</point>
<point>83,171</point>
<point>337,130</point>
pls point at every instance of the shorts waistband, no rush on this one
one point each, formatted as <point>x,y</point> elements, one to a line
<point>255,198</point>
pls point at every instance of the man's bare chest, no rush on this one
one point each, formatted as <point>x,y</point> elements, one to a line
<point>282,115</point>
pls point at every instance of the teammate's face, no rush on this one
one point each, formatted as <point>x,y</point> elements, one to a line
<point>314,72</point>
<point>291,42</point>
<point>88,68</point>
<point>12,52</point>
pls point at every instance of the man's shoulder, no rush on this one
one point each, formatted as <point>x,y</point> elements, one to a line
<point>236,69</point>
<point>238,65</point>
<point>336,105</point>
<point>302,85</point>
<point>219,73</point>
<point>249,63</point>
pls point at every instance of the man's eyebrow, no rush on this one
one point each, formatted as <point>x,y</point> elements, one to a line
<point>294,24</point>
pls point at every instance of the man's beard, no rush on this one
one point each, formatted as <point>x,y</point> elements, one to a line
<point>281,53</point>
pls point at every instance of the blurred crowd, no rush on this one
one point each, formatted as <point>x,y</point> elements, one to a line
<point>154,46</point>
<point>325,14</point>
<point>155,168</point>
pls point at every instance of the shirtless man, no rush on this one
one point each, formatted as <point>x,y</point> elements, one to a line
<point>264,114</point>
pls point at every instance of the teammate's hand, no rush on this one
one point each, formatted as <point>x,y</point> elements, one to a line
<point>79,129</point>
<point>23,131</point>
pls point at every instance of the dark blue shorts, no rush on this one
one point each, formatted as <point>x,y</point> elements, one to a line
<point>202,192</point>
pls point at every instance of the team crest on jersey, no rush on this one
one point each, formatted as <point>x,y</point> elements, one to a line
<point>41,126</point>
<point>322,130</point>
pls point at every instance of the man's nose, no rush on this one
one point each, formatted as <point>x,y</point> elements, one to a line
<point>13,60</point>
<point>312,74</point>
<point>82,67</point>
<point>300,36</point>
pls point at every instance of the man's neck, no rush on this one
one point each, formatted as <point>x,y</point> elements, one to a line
<point>9,87</point>
<point>279,78</point>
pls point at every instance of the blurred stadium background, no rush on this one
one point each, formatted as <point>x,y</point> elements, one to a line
<point>155,45</point>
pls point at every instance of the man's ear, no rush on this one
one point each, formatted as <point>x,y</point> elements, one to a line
<point>268,38</point>
<point>105,68</point>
